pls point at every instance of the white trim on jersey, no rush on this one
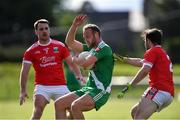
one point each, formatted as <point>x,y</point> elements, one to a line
<point>26,61</point>
<point>145,62</point>
<point>148,64</point>
<point>45,44</point>
<point>99,84</point>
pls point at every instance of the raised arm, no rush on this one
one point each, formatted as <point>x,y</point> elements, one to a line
<point>73,44</point>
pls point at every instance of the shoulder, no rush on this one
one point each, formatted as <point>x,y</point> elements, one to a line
<point>32,47</point>
<point>106,48</point>
<point>156,50</point>
<point>151,50</point>
<point>103,45</point>
<point>56,42</point>
<point>103,49</point>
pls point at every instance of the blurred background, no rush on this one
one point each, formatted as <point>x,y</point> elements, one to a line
<point>121,22</point>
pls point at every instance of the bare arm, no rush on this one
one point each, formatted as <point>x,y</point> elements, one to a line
<point>142,73</point>
<point>73,44</point>
<point>134,61</point>
<point>89,60</point>
<point>74,68</point>
<point>23,81</point>
<point>139,76</point>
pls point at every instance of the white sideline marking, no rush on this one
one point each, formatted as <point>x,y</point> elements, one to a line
<point>123,80</point>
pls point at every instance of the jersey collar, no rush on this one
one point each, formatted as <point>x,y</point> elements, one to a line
<point>45,44</point>
<point>100,43</point>
<point>157,46</point>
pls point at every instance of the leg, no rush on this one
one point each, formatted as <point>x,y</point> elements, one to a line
<point>69,114</point>
<point>145,109</point>
<point>134,110</point>
<point>63,104</point>
<point>39,104</point>
<point>84,103</point>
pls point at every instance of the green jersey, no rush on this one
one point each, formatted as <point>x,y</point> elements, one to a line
<point>71,81</point>
<point>101,74</point>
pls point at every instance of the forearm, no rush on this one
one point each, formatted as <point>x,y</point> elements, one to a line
<point>139,76</point>
<point>23,81</point>
<point>76,70</point>
<point>134,61</point>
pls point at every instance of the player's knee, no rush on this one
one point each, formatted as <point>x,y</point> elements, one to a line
<point>139,114</point>
<point>133,111</point>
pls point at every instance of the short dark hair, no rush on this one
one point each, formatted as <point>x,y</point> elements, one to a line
<point>154,35</point>
<point>40,21</point>
<point>93,27</point>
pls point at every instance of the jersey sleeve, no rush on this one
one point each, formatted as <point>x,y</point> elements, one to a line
<point>27,58</point>
<point>149,58</point>
<point>100,53</point>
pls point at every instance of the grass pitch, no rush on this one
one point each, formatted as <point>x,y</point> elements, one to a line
<point>113,110</point>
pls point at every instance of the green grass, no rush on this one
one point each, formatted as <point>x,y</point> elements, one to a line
<point>129,70</point>
<point>9,78</point>
<point>114,109</point>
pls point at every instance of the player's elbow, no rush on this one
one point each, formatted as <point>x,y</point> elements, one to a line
<point>139,64</point>
<point>67,42</point>
<point>146,69</point>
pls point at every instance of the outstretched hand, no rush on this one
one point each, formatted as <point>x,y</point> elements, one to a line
<point>79,20</point>
<point>22,97</point>
<point>124,91</point>
<point>119,57</point>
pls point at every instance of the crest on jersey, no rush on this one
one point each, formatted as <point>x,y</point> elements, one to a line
<point>55,50</point>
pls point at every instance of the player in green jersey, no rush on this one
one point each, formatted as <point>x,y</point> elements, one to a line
<point>98,86</point>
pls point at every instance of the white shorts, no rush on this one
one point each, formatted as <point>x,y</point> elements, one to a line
<point>161,98</point>
<point>51,92</point>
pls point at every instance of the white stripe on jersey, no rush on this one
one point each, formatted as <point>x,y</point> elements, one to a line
<point>26,61</point>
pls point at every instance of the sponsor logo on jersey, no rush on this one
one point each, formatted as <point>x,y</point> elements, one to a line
<point>47,61</point>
